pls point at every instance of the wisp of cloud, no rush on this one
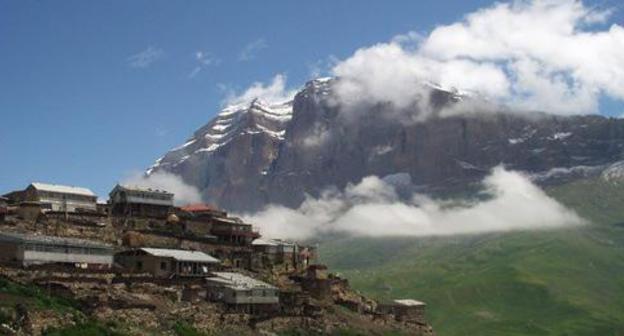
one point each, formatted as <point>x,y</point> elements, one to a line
<point>557,56</point>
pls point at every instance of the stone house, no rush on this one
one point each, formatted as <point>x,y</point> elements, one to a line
<point>242,293</point>
<point>56,197</point>
<point>142,202</point>
<point>276,252</point>
<point>405,310</point>
<point>167,263</point>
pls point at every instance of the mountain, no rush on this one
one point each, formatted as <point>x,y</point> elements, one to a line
<point>259,152</point>
<point>228,158</point>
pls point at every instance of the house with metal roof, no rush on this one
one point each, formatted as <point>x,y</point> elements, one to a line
<point>32,249</point>
<point>404,310</point>
<point>56,197</point>
<point>167,262</point>
<point>242,293</point>
<point>139,201</point>
<point>276,251</point>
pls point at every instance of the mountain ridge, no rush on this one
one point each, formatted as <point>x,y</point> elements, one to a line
<point>255,153</point>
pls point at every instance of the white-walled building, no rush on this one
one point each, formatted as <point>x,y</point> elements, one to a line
<point>56,197</point>
<point>32,249</point>
<point>238,289</point>
<point>138,201</point>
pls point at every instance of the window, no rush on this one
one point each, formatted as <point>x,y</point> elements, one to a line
<point>163,266</point>
<point>139,265</point>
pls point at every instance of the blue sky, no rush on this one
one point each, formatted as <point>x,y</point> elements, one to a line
<point>91,92</point>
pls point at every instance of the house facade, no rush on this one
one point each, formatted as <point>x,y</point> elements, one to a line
<point>233,231</point>
<point>56,197</point>
<point>242,293</point>
<point>31,249</point>
<point>405,310</point>
<point>276,251</point>
<point>136,201</point>
<point>167,263</point>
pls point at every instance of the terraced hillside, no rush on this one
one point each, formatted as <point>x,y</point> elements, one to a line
<point>568,282</point>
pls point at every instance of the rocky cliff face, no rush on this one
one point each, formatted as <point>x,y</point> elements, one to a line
<point>259,153</point>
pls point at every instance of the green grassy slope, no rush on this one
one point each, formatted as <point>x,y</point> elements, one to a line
<point>566,282</point>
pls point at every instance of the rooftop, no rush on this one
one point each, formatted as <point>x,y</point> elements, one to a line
<point>142,189</point>
<point>232,220</point>
<point>50,240</point>
<point>181,255</point>
<point>197,207</point>
<point>271,242</point>
<point>409,302</point>
<point>63,189</point>
<point>238,281</point>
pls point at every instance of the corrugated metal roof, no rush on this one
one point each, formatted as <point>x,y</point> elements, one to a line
<point>181,255</point>
<point>63,189</point>
<point>197,207</point>
<point>232,220</point>
<point>410,302</point>
<point>271,242</point>
<point>239,281</point>
<point>143,189</point>
<point>264,242</point>
<point>50,240</point>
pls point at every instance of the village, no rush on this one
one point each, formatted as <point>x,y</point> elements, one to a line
<point>140,259</point>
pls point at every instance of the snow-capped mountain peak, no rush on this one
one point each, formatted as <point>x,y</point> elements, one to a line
<point>257,117</point>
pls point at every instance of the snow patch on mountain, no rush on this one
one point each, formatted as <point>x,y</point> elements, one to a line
<point>614,173</point>
<point>527,134</point>
<point>252,118</point>
<point>559,173</point>
<point>560,136</point>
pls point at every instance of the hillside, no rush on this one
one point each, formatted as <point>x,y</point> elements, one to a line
<point>527,283</point>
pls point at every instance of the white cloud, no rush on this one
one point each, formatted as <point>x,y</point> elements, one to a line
<point>553,55</point>
<point>374,208</point>
<point>145,58</point>
<point>184,193</point>
<point>203,60</point>
<point>273,92</point>
<point>250,50</point>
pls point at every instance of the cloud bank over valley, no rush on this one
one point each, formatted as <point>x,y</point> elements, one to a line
<point>378,207</point>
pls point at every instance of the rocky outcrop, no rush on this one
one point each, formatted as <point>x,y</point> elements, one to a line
<point>262,153</point>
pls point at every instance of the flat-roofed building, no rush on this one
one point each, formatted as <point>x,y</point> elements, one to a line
<point>138,201</point>
<point>243,293</point>
<point>167,262</point>
<point>56,197</point>
<point>276,251</point>
<point>31,249</point>
<point>406,310</point>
